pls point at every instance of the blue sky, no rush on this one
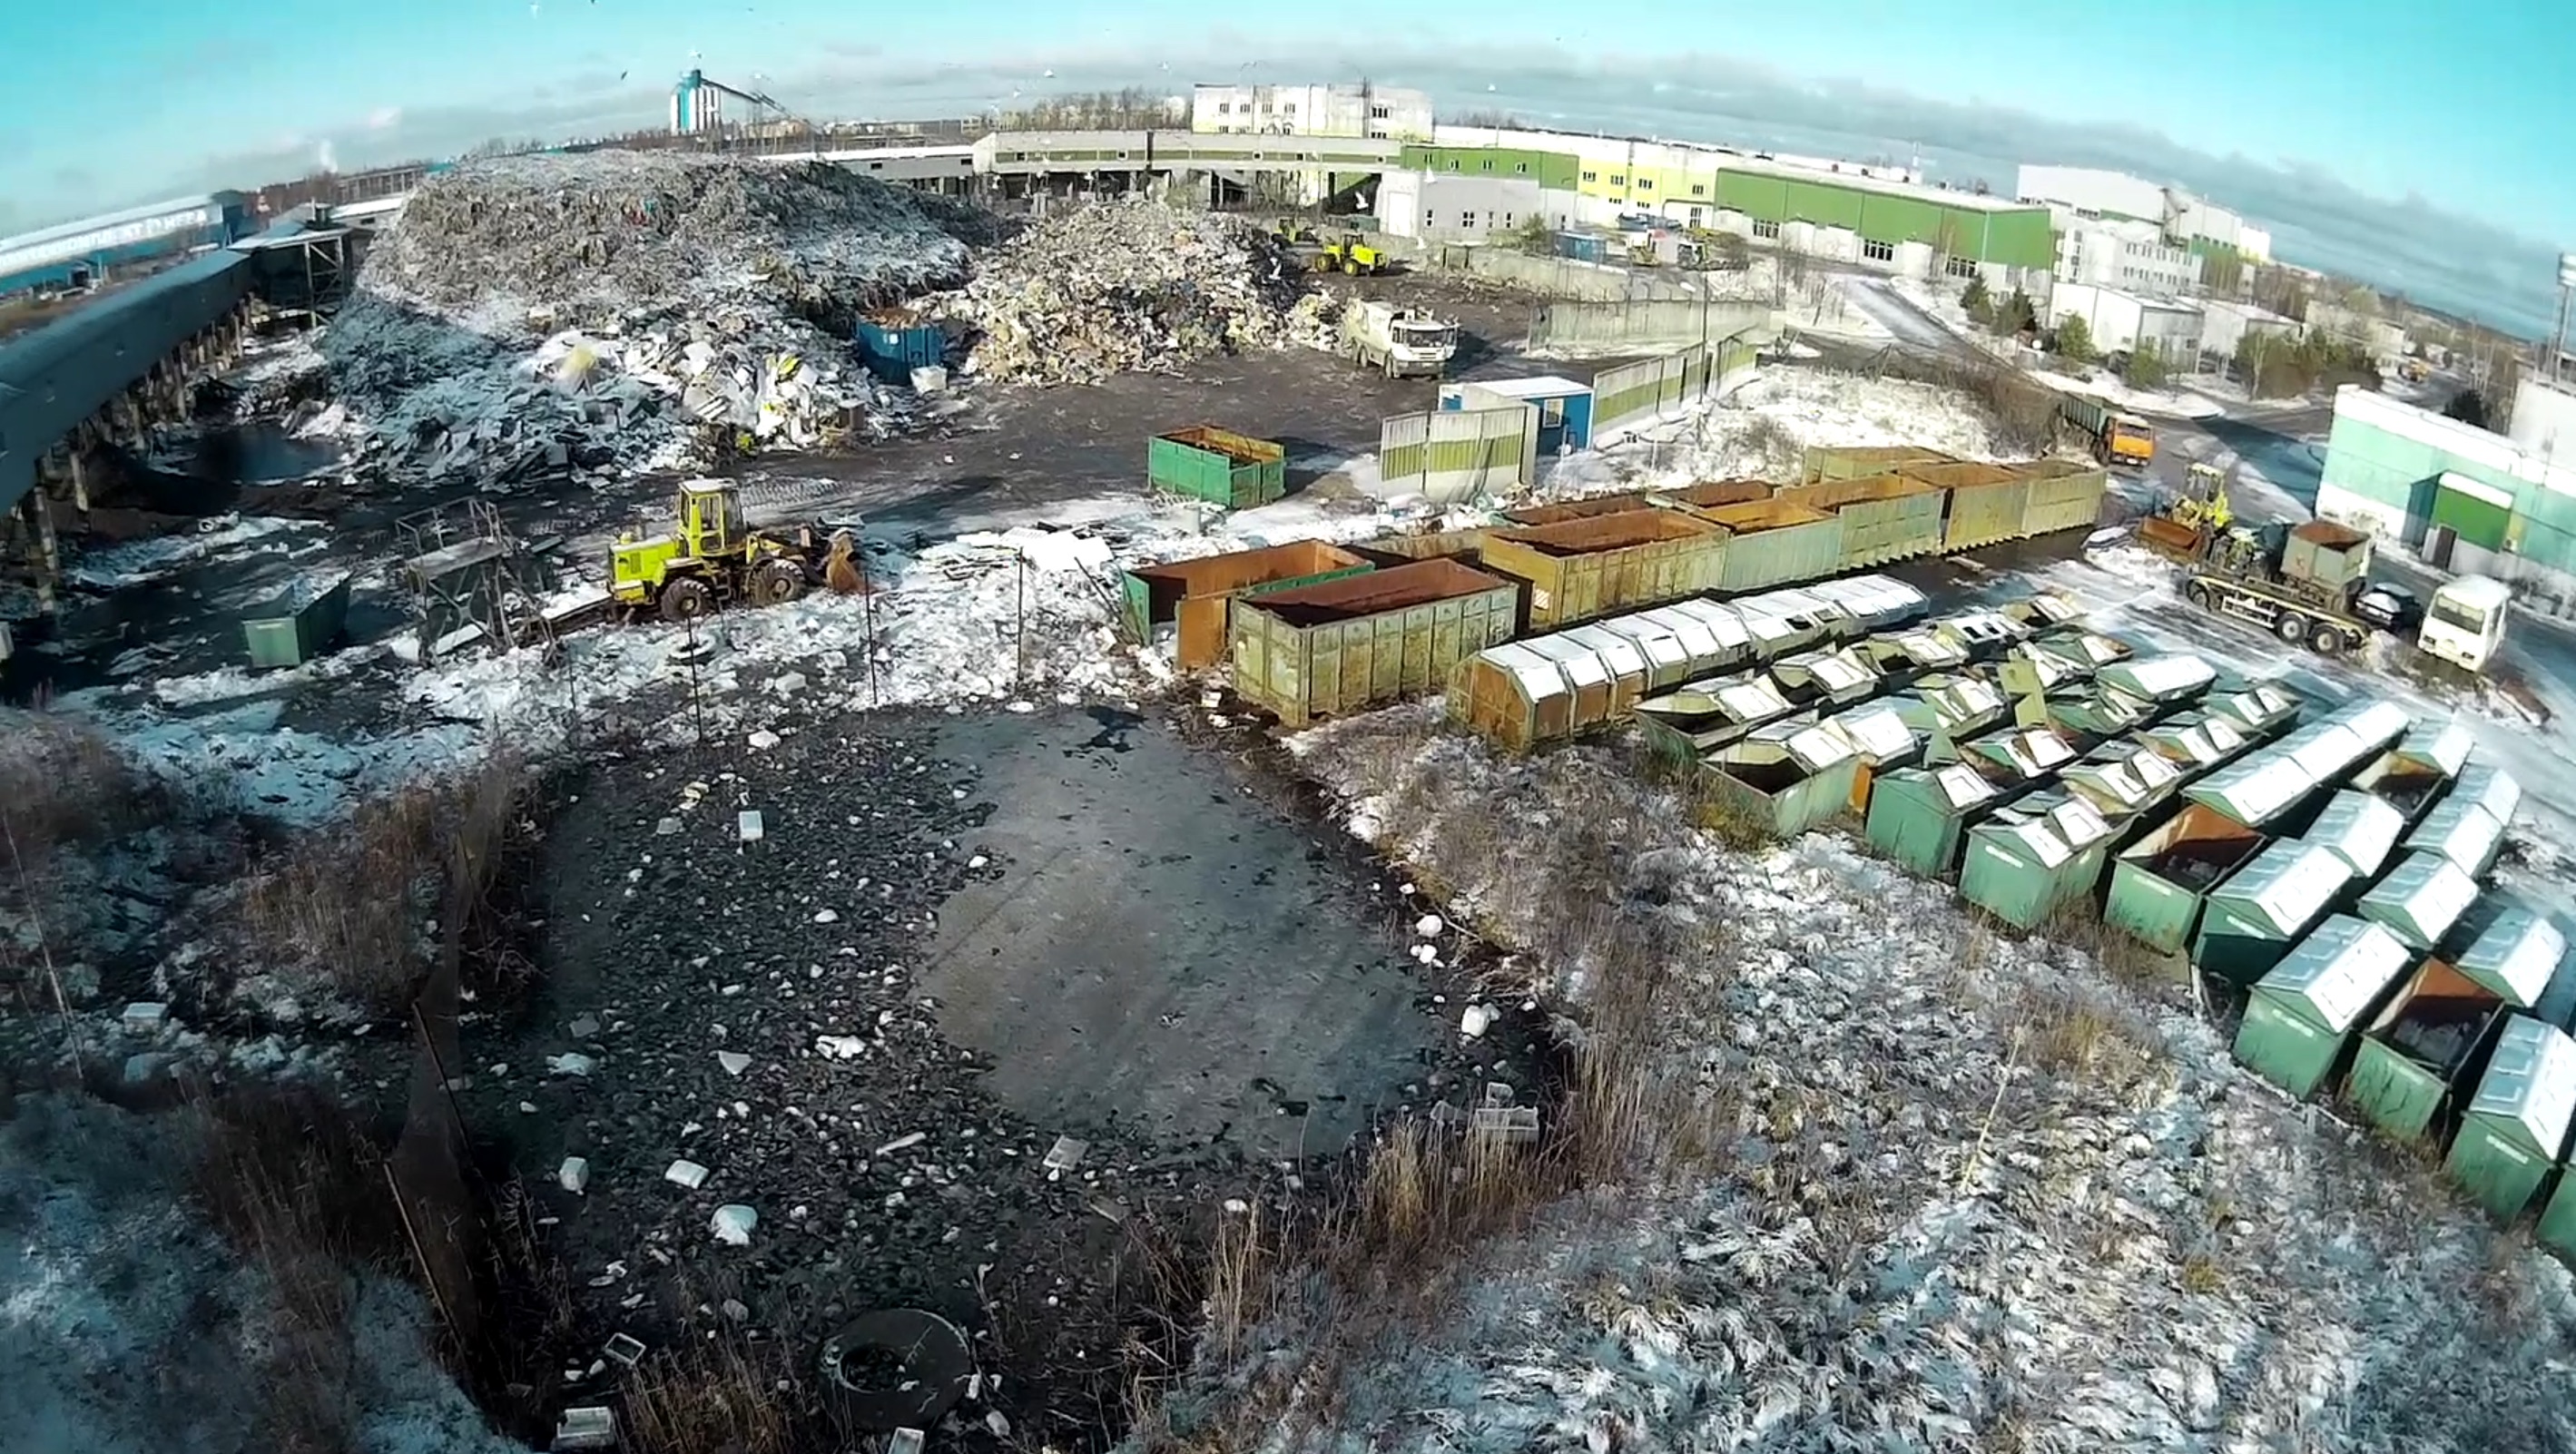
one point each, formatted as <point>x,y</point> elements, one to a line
<point>2463,111</point>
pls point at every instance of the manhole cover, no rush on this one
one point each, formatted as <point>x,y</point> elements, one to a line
<point>902,1368</point>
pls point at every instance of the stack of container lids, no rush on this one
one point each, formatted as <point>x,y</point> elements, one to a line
<point>2053,831</point>
<point>2515,953</point>
<point>1980,632</point>
<point>2030,752</point>
<point>2256,707</point>
<point>2168,678</point>
<point>2123,777</point>
<point>2461,831</point>
<point>2441,747</point>
<point>1837,671</point>
<point>2027,668</point>
<point>2359,828</point>
<point>1877,733</point>
<point>2491,788</point>
<point>2421,899</point>
<point>1919,647</point>
<point>2339,971</point>
<point>2089,651</point>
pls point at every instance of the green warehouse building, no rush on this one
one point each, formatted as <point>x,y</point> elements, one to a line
<point>1847,215</point>
<point>2463,499</point>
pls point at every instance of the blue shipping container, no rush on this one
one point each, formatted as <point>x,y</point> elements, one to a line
<point>1581,246</point>
<point>892,353</point>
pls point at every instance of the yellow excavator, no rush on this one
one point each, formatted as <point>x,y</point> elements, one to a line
<point>2188,523</point>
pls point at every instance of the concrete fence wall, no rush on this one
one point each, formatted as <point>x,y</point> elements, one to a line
<point>1553,277</point>
<point>1643,325</point>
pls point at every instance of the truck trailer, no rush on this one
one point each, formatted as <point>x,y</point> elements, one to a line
<point>2304,584</point>
<point>2113,437</point>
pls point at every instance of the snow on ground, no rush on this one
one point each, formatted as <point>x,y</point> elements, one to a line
<point>127,1326</point>
<point>2169,403</point>
<point>215,540</point>
<point>1968,1193</point>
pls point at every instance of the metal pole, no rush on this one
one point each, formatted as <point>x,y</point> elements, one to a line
<point>1020,622</point>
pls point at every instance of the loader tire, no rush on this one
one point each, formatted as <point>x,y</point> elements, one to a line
<point>686,599</point>
<point>776,582</point>
<point>2199,595</point>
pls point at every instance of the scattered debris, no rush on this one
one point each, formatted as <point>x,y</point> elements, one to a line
<point>573,1175</point>
<point>1130,285</point>
<point>587,1427</point>
<point>732,1224</point>
<point>686,1173</point>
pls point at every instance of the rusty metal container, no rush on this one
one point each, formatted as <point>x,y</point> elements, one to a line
<point>1193,594</point>
<point>1363,641</point>
<point>1580,569</point>
<point>1783,543</point>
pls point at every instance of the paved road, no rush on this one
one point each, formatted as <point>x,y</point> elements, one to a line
<point>1910,325</point>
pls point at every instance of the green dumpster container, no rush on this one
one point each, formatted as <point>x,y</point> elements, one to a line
<point>2301,1016</point>
<point>298,626</point>
<point>1218,466</point>
<point>2516,1128</point>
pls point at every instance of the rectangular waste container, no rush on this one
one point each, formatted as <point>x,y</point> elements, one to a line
<point>1218,466</point>
<point>1193,593</point>
<point>1885,517</point>
<point>1366,640</point>
<point>1781,544</point>
<point>1580,569</point>
<point>2064,495</point>
<point>298,626</point>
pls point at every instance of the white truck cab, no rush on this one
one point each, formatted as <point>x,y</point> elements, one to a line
<point>2464,622</point>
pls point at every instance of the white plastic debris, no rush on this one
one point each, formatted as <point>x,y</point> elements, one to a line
<point>1425,954</point>
<point>571,1062</point>
<point>1475,1021</point>
<point>667,827</point>
<point>623,1349</point>
<point>762,740</point>
<point>573,1175</point>
<point>733,1061</point>
<point>746,825</point>
<point>906,1441</point>
<point>732,1224</point>
<point>686,1173</point>
<point>1065,1154</point>
<point>1428,927</point>
<point>145,1015</point>
<point>827,916</point>
<point>840,1047</point>
<point>587,1427</point>
<point>903,1143</point>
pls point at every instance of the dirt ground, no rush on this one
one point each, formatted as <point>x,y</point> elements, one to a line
<point>957,939</point>
<point>1009,453</point>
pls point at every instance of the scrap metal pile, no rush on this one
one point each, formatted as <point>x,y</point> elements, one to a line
<point>1125,286</point>
<point>538,315</point>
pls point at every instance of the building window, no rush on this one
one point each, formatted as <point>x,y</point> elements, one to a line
<point>1699,189</point>
<point>1288,108</point>
<point>1487,164</point>
<point>1765,229</point>
<point>1645,184</point>
<point>1377,113</point>
<point>1877,251</point>
<point>1960,267</point>
<point>1618,179</point>
<point>1225,108</point>
<point>1521,167</point>
<point>1591,176</point>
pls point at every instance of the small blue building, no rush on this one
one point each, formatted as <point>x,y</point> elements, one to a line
<point>1564,407</point>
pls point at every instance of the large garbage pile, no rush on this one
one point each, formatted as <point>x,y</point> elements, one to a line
<point>540,315</point>
<point>1124,286</point>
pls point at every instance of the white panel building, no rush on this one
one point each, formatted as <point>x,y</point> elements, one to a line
<point>1386,113</point>
<point>1442,207</point>
<point>2224,323</point>
<point>2544,419</point>
<point>2121,254</point>
<point>2120,320</point>
<point>2094,193</point>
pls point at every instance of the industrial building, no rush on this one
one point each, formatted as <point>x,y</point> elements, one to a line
<point>2226,323</point>
<point>2118,253</point>
<point>1444,207</point>
<point>2458,496</point>
<point>2200,226</point>
<point>2387,342</point>
<point>2544,418</point>
<point>1842,212</point>
<point>1379,113</point>
<point>2120,321</point>
<point>84,253</point>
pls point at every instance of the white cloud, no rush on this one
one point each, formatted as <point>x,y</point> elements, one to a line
<point>384,118</point>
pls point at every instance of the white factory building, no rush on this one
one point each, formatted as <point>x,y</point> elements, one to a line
<point>2225,323</point>
<point>2119,253</point>
<point>2119,321</point>
<point>1383,113</point>
<point>1435,207</point>
<point>2092,193</point>
<point>2544,419</point>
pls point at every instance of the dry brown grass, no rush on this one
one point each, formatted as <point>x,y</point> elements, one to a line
<point>2120,958</point>
<point>344,908</point>
<point>719,1393</point>
<point>61,783</point>
<point>295,1185</point>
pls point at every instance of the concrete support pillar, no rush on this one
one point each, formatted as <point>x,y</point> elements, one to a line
<point>44,556</point>
<point>80,482</point>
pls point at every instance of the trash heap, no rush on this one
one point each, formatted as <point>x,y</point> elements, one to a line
<point>540,316</point>
<point>1117,287</point>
